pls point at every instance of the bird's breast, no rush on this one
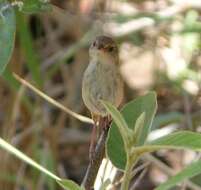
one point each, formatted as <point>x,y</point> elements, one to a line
<point>101,81</point>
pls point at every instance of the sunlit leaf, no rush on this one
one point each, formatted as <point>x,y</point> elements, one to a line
<point>181,139</point>
<point>178,140</point>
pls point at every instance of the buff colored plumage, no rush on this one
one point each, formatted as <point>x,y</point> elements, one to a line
<point>102,80</point>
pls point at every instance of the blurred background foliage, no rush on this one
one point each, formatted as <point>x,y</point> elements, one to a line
<point>159,48</point>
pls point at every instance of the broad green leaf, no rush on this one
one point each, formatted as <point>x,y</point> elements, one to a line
<point>69,184</point>
<point>178,140</point>
<point>188,172</point>
<point>181,139</point>
<point>7,34</point>
<point>131,112</point>
<point>35,6</point>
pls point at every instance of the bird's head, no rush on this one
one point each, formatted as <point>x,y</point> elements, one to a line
<point>103,47</point>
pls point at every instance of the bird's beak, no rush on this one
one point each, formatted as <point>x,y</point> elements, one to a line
<point>101,49</point>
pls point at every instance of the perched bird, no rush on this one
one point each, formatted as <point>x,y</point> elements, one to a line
<point>102,80</point>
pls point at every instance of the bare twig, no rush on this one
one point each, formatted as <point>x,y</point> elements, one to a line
<point>139,179</point>
<point>52,101</point>
<point>95,162</point>
<point>187,109</point>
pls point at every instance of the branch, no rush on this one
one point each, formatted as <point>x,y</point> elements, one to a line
<point>95,162</point>
<point>52,101</point>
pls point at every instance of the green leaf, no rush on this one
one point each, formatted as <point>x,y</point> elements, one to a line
<point>188,172</point>
<point>178,140</point>
<point>120,122</point>
<point>35,6</point>
<point>7,34</point>
<point>131,112</point>
<point>181,139</point>
<point>139,125</point>
<point>69,184</point>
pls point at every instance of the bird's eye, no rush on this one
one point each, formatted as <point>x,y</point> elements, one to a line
<point>110,49</point>
<point>94,43</point>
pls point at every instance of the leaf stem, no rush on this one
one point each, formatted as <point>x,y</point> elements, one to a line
<point>131,161</point>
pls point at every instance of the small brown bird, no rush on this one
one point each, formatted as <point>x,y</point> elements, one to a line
<point>102,80</point>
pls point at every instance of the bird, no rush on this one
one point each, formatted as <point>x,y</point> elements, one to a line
<point>102,81</point>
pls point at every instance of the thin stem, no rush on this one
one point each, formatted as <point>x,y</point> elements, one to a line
<point>131,161</point>
<point>95,163</point>
<point>127,175</point>
<point>52,101</point>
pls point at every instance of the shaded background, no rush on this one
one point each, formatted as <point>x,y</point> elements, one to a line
<point>159,43</point>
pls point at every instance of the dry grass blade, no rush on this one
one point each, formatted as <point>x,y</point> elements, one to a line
<point>52,101</point>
